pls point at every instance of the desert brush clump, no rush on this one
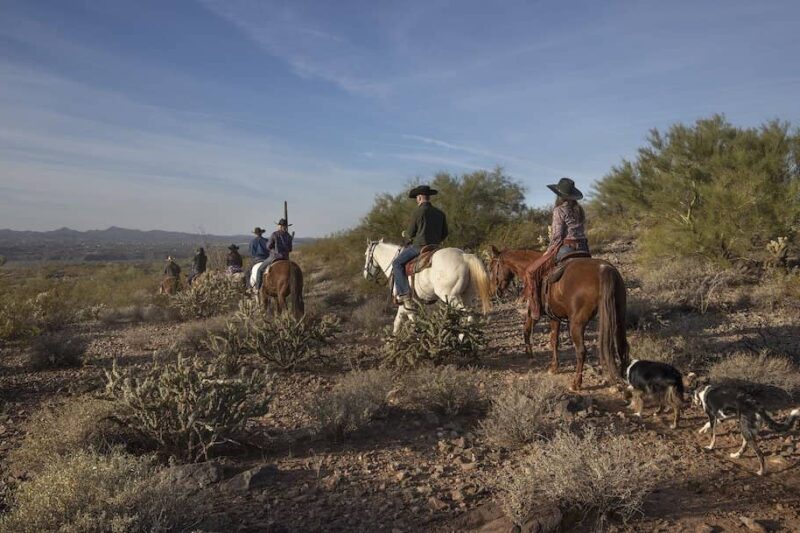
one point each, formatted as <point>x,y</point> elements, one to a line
<point>444,390</point>
<point>88,492</point>
<point>371,316</point>
<point>352,403</point>
<point>602,476</point>
<point>689,283</point>
<point>211,294</point>
<point>187,407</point>
<point>762,368</point>
<point>442,334</point>
<point>228,346</point>
<point>57,350</point>
<point>63,428</point>
<point>521,412</point>
<point>282,341</point>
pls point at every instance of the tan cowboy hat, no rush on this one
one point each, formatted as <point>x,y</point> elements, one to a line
<point>565,188</point>
<point>258,231</point>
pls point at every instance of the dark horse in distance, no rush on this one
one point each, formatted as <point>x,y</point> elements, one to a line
<point>587,288</point>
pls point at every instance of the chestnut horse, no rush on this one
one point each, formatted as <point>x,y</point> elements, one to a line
<point>283,280</point>
<point>588,287</point>
<point>508,265</point>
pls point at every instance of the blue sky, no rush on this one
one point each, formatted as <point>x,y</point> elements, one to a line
<point>205,115</point>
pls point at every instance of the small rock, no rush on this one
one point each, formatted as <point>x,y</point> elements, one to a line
<point>252,479</point>
<point>401,476</point>
<point>193,476</point>
<point>704,528</point>
<point>468,467</point>
<point>436,504</point>
<point>457,495</point>
<point>752,525</point>
<point>460,442</point>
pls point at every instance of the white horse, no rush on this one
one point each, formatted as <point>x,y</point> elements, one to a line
<point>454,276</point>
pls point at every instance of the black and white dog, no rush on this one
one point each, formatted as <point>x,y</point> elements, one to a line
<point>659,380</point>
<point>729,400</point>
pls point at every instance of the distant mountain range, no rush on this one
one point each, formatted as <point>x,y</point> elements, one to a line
<point>112,244</point>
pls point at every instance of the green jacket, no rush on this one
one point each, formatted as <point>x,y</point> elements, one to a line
<point>428,226</point>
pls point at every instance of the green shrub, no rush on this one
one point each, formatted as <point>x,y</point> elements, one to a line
<point>212,294</point>
<point>444,390</point>
<point>87,492</point>
<point>57,350</point>
<point>64,428</point>
<point>189,406</point>
<point>710,188</point>
<point>440,335</point>
<point>521,412</point>
<point>228,346</point>
<point>356,400</point>
<point>599,476</point>
<point>283,341</point>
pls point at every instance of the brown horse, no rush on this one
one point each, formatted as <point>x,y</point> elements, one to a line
<point>283,280</point>
<point>507,265</point>
<point>170,285</point>
<point>588,287</point>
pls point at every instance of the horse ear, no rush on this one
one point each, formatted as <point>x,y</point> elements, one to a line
<point>381,239</point>
<point>493,249</point>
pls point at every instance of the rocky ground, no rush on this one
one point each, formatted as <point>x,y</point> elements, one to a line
<point>420,472</point>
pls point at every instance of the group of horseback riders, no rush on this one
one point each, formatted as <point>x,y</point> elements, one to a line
<point>264,252</point>
<point>427,230</point>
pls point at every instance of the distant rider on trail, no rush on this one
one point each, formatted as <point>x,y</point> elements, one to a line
<point>233,261</point>
<point>428,226</point>
<point>258,251</point>
<point>279,247</point>
<point>198,265</point>
<point>567,235</point>
<point>172,269</point>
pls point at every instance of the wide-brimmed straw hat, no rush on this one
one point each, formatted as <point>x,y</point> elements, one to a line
<point>422,189</point>
<point>233,247</point>
<point>565,188</point>
<point>258,231</point>
<point>282,222</point>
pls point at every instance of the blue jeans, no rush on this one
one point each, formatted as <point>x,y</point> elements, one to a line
<point>583,246</point>
<point>399,269</point>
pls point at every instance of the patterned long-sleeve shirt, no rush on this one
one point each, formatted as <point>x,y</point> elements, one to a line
<point>566,226</point>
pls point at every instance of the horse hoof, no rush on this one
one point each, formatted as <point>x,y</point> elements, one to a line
<point>552,370</point>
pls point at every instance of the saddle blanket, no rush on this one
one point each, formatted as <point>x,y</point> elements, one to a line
<point>254,272</point>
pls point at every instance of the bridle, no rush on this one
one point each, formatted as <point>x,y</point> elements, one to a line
<point>369,270</point>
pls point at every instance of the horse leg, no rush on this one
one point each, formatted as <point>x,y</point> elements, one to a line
<point>576,330</point>
<point>555,326</point>
<point>526,333</point>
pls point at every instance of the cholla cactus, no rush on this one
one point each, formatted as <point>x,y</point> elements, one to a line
<point>189,406</point>
<point>444,335</point>
<point>211,294</point>
<point>778,249</point>
<point>283,341</point>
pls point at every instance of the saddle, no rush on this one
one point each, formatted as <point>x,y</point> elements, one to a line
<point>422,261</point>
<point>554,276</point>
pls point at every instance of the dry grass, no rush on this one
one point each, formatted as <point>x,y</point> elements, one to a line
<point>778,290</point>
<point>371,316</point>
<point>763,368</point>
<point>212,294</point>
<point>653,348</point>
<point>519,413</point>
<point>88,492</point>
<point>602,477</point>
<point>193,337</point>
<point>352,403</point>
<point>61,429</point>
<point>444,390</point>
<point>689,283</point>
<point>57,350</point>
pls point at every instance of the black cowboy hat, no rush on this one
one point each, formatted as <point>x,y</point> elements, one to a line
<point>565,188</point>
<point>233,247</point>
<point>422,189</point>
<point>282,222</point>
<point>258,231</point>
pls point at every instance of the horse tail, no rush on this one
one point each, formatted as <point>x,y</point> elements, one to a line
<point>612,342</point>
<point>479,281</point>
<point>296,290</point>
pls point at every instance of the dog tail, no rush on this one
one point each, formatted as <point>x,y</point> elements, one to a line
<point>777,427</point>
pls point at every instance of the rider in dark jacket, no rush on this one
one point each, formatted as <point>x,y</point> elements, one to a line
<point>172,269</point>
<point>428,226</point>
<point>198,264</point>
<point>279,246</point>
<point>233,261</point>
